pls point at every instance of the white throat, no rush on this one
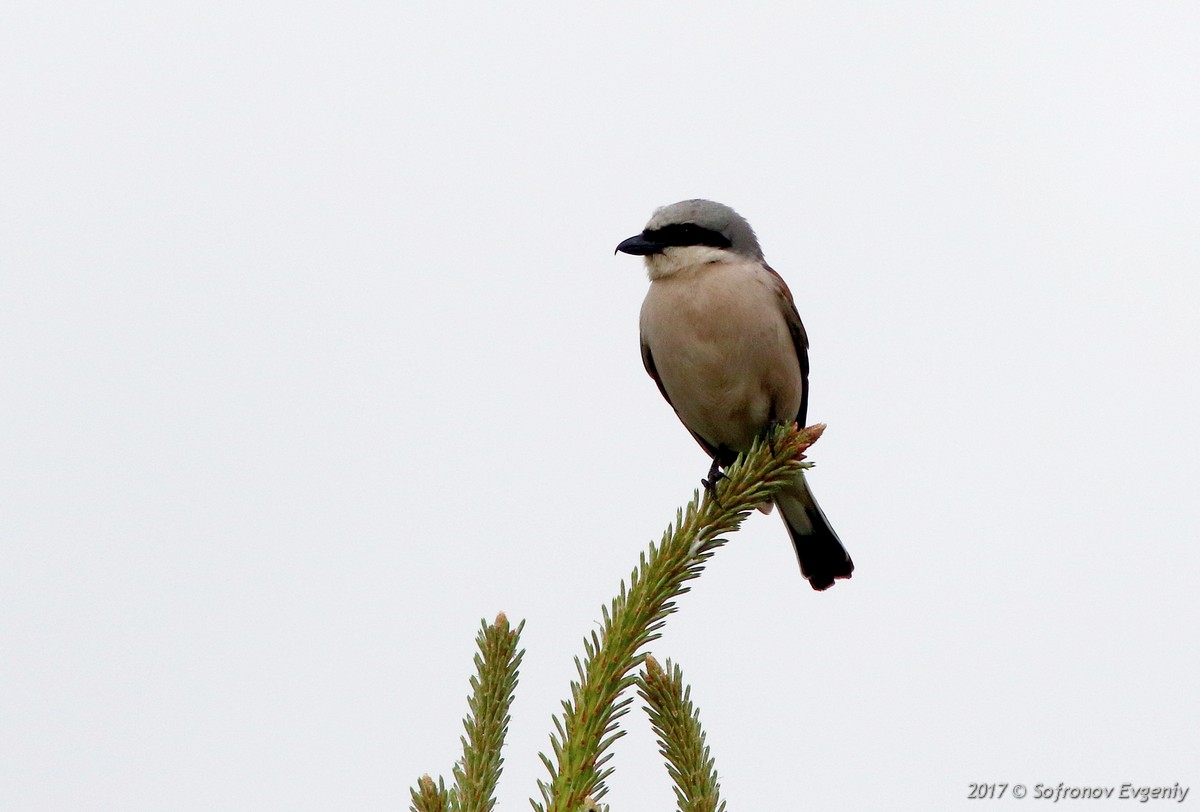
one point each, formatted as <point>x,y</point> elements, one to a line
<point>677,257</point>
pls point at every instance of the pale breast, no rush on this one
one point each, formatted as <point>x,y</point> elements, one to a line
<point>723,350</point>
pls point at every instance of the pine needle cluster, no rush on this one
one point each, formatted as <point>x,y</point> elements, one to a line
<point>478,771</point>
<point>676,723</point>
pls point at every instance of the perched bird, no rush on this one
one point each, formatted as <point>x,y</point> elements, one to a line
<point>722,339</point>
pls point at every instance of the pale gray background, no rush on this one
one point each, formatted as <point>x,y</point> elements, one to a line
<point>315,352</point>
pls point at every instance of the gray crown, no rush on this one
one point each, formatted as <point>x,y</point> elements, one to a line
<point>713,216</point>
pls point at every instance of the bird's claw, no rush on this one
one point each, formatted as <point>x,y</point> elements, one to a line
<point>769,434</point>
<point>715,475</point>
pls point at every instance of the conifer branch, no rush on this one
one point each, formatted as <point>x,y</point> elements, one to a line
<point>676,723</point>
<point>492,687</point>
<point>588,723</point>
<point>496,664</point>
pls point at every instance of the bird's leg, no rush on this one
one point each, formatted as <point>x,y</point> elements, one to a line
<point>715,475</point>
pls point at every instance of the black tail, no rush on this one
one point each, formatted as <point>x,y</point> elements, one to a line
<point>822,557</point>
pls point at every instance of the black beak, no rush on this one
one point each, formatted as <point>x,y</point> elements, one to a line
<point>640,245</point>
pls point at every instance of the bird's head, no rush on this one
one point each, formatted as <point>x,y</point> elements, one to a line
<point>692,232</point>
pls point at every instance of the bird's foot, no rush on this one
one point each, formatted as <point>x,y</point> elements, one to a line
<point>769,433</point>
<point>715,475</point>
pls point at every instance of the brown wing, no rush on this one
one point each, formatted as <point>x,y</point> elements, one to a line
<point>648,362</point>
<point>799,338</point>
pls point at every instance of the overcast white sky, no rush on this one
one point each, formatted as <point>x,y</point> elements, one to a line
<point>314,352</point>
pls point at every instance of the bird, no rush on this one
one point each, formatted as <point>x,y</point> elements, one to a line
<point>723,340</point>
